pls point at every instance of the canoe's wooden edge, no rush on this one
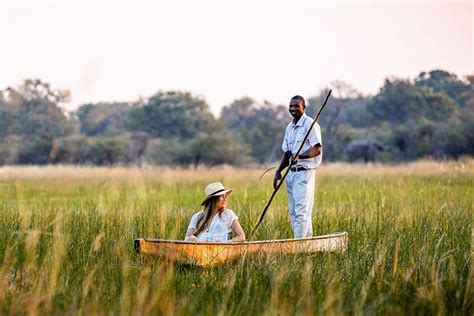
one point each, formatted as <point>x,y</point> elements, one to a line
<point>138,241</point>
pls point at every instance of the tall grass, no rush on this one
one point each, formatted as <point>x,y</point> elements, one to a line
<point>66,242</point>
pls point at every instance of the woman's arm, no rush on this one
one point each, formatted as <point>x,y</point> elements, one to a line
<point>190,235</point>
<point>237,229</point>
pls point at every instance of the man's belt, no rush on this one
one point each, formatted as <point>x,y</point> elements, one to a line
<point>298,168</point>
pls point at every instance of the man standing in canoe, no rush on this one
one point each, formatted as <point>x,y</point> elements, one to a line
<point>300,181</point>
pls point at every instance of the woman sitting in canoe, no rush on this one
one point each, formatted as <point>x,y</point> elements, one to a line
<point>215,223</point>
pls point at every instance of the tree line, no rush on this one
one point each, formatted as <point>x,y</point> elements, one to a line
<point>430,116</point>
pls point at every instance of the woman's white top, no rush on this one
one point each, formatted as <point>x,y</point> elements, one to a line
<point>220,228</point>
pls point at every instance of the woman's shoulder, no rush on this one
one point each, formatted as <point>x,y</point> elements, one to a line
<point>228,215</point>
<point>194,219</point>
<point>197,214</point>
<point>229,211</point>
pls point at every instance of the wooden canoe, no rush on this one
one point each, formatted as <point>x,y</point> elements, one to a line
<point>206,254</point>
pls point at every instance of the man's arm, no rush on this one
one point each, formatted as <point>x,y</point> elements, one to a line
<point>312,152</point>
<point>285,161</point>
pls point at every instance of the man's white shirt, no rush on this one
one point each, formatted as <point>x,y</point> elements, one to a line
<point>294,135</point>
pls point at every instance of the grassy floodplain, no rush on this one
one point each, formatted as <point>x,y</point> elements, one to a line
<point>66,242</point>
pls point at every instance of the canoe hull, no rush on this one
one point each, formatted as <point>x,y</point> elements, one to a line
<point>205,254</point>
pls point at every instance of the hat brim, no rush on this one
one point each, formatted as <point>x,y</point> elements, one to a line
<point>216,194</point>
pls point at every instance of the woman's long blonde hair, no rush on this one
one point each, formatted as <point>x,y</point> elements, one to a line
<point>207,214</point>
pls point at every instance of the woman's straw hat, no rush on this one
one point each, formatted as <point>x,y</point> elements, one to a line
<point>214,189</point>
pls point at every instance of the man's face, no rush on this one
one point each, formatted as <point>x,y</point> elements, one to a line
<point>296,108</point>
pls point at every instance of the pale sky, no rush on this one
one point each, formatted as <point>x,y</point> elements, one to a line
<point>268,50</point>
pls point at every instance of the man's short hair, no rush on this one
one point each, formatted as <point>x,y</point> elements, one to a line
<point>299,98</point>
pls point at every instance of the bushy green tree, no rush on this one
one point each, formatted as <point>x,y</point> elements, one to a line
<point>214,149</point>
<point>70,150</point>
<point>34,150</point>
<point>104,151</point>
<point>208,149</point>
<point>345,106</point>
<point>172,114</point>
<point>344,114</point>
<point>259,126</point>
<point>37,113</point>
<point>460,132</point>
<point>32,112</point>
<point>335,145</point>
<point>9,101</point>
<point>398,101</point>
<point>439,106</point>
<point>107,119</point>
<point>443,82</point>
<point>9,149</point>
